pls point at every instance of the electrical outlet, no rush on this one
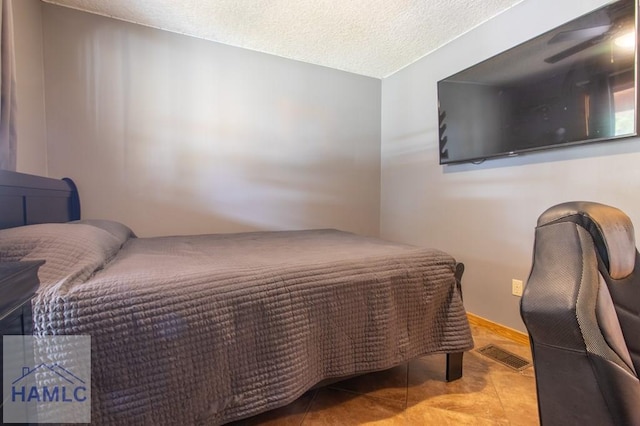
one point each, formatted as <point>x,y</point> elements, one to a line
<point>516,287</point>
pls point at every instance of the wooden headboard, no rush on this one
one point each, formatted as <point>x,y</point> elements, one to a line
<point>28,200</point>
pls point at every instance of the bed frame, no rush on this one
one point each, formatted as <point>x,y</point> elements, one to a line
<point>28,199</point>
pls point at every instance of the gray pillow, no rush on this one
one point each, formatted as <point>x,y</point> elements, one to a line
<point>118,229</point>
<point>73,252</point>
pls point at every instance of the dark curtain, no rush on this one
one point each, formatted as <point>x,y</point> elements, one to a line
<point>8,148</point>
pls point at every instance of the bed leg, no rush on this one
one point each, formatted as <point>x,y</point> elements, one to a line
<point>454,366</point>
<point>454,360</point>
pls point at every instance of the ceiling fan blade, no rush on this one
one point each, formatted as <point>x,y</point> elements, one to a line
<point>579,34</point>
<point>575,49</point>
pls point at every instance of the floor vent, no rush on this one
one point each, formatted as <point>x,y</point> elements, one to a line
<point>504,357</point>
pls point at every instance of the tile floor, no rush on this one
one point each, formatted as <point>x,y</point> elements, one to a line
<point>416,394</point>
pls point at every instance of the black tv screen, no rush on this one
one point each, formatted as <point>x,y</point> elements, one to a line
<point>572,85</point>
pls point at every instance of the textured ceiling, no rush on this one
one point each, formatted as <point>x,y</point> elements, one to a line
<point>370,37</point>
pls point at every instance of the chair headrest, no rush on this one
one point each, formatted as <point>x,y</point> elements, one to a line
<point>610,228</point>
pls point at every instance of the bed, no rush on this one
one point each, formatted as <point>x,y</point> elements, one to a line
<point>214,328</point>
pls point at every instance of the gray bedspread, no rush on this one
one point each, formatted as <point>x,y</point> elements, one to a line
<point>208,329</point>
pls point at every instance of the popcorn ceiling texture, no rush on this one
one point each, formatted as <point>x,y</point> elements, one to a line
<point>370,37</point>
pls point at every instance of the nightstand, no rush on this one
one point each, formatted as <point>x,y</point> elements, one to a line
<point>18,283</point>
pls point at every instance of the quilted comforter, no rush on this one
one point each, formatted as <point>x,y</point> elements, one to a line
<point>209,329</point>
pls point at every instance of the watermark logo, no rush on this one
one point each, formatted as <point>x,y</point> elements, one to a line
<point>70,388</point>
<point>47,379</point>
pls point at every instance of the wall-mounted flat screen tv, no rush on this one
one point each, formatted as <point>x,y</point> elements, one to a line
<point>572,85</point>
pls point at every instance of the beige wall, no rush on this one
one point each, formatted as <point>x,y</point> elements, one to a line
<point>177,135</point>
<point>485,214</point>
<point>31,126</point>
